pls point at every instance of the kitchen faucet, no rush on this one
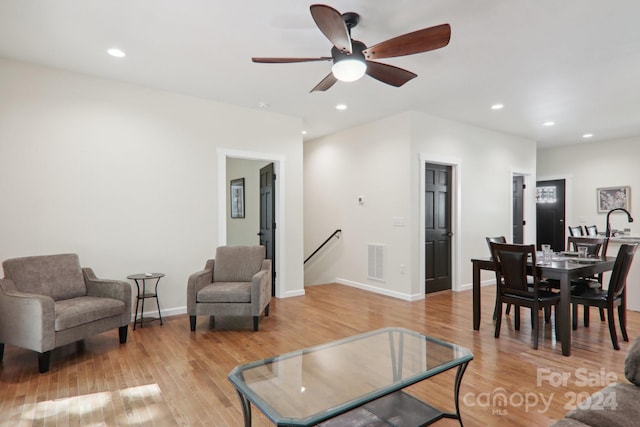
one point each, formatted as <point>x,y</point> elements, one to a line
<point>629,218</point>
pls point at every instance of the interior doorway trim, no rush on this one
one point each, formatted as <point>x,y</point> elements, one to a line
<point>529,205</point>
<point>456,173</point>
<point>279,167</point>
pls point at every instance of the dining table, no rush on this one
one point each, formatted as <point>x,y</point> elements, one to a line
<point>562,268</point>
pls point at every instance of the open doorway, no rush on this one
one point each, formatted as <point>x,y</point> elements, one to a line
<point>267,223</point>
<point>246,230</point>
<point>243,228</point>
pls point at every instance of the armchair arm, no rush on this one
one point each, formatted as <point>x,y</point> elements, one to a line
<point>261,288</point>
<point>116,289</point>
<point>105,288</point>
<point>26,320</point>
<point>196,282</point>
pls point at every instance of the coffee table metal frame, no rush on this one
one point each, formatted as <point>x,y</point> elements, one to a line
<point>259,382</point>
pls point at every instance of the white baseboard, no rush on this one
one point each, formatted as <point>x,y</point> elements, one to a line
<point>381,291</point>
<point>290,294</point>
<point>469,286</point>
<point>168,312</point>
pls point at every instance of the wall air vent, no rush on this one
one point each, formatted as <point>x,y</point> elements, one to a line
<point>376,261</point>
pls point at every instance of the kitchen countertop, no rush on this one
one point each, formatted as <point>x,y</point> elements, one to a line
<point>624,239</point>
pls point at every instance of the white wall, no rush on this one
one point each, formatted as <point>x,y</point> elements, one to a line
<point>244,231</point>
<point>369,161</point>
<point>485,162</point>
<point>127,176</point>
<point>589,166</point>
<point>382,162</point>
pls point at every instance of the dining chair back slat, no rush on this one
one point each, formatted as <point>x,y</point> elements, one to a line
<point>591,230</point>
<point>514,264</point>
<point>513,268</point>
<point>596,246</point>
<point>621,270</point>
<point>576,231</point>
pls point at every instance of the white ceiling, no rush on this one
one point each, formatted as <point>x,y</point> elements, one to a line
<point>574,62</point>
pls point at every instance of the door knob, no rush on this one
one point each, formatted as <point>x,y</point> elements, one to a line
<point>449,234</point>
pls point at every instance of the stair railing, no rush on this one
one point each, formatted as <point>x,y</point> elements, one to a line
<point>335,234</point>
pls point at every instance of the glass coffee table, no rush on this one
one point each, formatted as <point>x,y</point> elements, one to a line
<point>353,381</point>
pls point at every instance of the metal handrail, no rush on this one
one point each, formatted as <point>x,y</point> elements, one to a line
<point>335,234</point>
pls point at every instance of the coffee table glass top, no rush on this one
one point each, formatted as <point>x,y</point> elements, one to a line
<point>317,383</point>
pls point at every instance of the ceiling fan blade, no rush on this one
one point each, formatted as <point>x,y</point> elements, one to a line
<point>325,84</point>
<point>389,74</point>
<point>288,60</point>
<point>332,26</point>
<point>410,43</point>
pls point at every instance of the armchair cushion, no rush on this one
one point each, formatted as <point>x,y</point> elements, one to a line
<point>57,276</point>
<point>632,363</point>
<point>82,310</point>
<point>625,413</point>
<point>226,292</point>
<point>237,263</point>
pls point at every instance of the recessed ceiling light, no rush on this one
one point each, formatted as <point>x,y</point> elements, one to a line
<point>304,132</point>
<point>497,107</point>
<point>341,107</point>
<point>548,123</point>
<point>116,52</point>
<point>587,135</point>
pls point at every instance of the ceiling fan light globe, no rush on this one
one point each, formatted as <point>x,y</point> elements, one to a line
<point>349,70</point>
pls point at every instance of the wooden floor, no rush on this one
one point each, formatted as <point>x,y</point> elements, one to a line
<point>167,375</point>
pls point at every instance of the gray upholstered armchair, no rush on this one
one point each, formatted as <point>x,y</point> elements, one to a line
<point>49,301</point>
<point>236,283</point>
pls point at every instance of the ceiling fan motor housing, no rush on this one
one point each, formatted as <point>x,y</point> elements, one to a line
<point>356,47</point>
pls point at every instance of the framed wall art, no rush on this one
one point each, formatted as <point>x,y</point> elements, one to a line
<point>237,198</point>
<point>613,197</point>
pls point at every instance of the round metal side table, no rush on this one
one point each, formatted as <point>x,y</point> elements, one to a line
<point>143,294</point>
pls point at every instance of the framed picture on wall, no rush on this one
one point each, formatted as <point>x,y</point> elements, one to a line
<point>613,197</point>
<point>237,198</point>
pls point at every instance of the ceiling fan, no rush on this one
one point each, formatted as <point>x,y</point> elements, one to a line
<point>352,58</point>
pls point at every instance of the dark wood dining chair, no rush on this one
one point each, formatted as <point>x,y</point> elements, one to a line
<point>591,230</point>
<point>497,239</point>
<point>512,272</point>
<point>610,298</point>
<point>596,247</point>
<point>576,231</point>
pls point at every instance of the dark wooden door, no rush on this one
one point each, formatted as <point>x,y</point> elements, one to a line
<point>437,228</point>
<point>518,209</point>
<point>267,217</point>
<point>550,211</point>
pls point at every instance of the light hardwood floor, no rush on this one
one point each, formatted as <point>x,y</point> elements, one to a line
<point>167,375</point>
